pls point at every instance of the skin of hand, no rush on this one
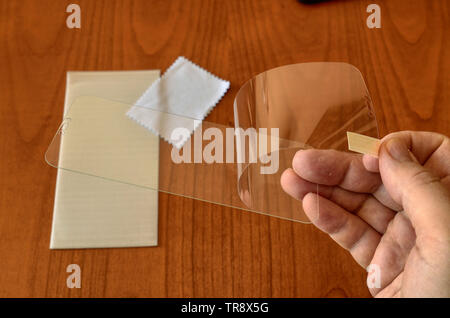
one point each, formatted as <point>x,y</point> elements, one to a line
<point>392,212</point>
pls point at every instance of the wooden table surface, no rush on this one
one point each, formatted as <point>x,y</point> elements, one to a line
<point>205,250</point>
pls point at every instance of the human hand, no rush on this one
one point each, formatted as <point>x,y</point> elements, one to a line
<point>392,211</point>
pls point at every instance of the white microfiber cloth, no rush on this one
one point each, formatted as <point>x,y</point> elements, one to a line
<point>181,98</point>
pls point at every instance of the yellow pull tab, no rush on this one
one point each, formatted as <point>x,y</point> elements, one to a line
<point>363,144</point>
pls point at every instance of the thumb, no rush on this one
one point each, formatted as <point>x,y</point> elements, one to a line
<point>421,194</point>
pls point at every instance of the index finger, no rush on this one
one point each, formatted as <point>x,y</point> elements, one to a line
<point>335,168</point>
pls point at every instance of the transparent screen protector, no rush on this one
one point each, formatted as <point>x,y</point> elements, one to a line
<point>277,113</point>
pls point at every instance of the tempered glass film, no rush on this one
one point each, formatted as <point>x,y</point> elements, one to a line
<point>310,105</point>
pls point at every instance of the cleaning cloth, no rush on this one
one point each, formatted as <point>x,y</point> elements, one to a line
<point>181,98</point>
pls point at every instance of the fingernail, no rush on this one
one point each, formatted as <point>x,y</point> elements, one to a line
<point>398,150</point>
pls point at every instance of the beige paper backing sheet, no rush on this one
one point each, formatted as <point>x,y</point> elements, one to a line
<point>363,144</point>
<point>91,212</point>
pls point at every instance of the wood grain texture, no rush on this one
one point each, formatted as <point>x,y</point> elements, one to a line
<point>205,250</point>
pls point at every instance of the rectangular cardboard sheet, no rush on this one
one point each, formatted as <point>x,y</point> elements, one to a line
<point>91,212</point>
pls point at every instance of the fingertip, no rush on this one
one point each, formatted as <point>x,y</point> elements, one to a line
<point>299,161</point>
<point>310,206</point>
<point>285,179</point>
<point>371,163</point>
<point>293,185</point>
<point>319,166</point>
